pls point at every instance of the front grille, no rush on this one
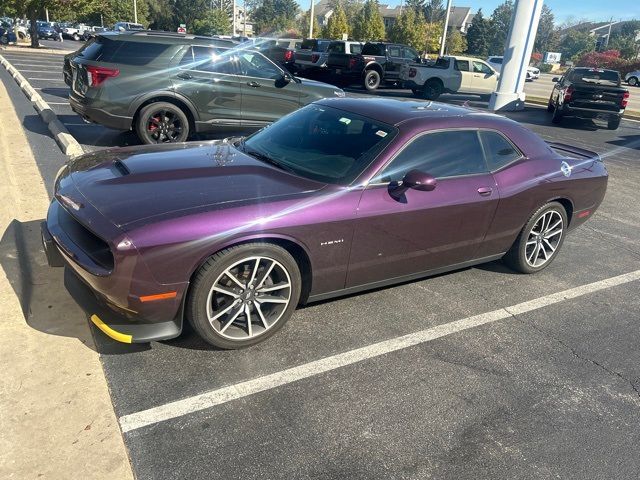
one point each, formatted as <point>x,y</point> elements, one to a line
<point>91,245</point>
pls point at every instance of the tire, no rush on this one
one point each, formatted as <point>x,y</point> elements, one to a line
<point>550,106</point>
<point>557,115</point>
<point>76,37</point>
<point>220,316</point>
<point>520,256</point>
<point>371,80</point>
<point>21,36</point>
<point>4,40</point>
<point>162,122</point>
<point>613,124</point>
<point>416,92</point>
<point>633,81</point>
<point>432,90</point>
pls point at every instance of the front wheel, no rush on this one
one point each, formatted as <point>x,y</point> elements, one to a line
<point>557,115</point>
<point>633,81</point>
<point>539,240</point>
<point>371,80</point>
<point>76,37</point>
<point>162,122</point>
<point>432,90</point>
<point>244,294</point>
<point>613,124</point>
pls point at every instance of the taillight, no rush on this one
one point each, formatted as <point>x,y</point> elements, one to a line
<point>97,75</point>
<point>568,93</point>
<point>314,57</point>
<point>288,56</point>
<point>412,72</point>
<point>625,100</point>
<point>352,62</point>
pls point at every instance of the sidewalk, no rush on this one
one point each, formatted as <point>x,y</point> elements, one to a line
<point>55,410</point>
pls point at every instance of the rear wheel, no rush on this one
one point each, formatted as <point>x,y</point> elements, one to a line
<point>243,295</point>
<point>76,37</point>
<point>557,115</point>
<point>432,90</point>
<point>633,81</point>
<point>162,122</point>
<point>539,240</point>
<point>613,124</point>
<point>550,106</point>
<point>371,80</point>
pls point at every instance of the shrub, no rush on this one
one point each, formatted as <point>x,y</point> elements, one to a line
<point>546,67</point>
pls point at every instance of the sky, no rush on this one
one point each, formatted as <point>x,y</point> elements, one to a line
<point>596,10</point>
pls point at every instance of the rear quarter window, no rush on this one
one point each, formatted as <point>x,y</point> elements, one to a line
<point>128,53</point>
<point>373,49</point>
<point>498,151</point>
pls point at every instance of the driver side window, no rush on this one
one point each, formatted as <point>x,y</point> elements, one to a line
<point>441,154</point>
<point>253,64</point>
<point>480,67</point>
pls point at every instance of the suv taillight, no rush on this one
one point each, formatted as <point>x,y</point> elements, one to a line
<point>567,94</point>
<point>288,56</point>
<point>352,62</point>
<point>625,100</point>
<point>412,72</point>
<point>314,57</point>
<point>97,75</point>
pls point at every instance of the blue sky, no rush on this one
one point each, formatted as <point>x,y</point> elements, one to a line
<point>596,10</point>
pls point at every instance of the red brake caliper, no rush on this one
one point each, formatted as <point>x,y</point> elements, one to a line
<point>153,127</point>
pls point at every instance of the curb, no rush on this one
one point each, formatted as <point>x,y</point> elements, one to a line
<point>65,140</point>
<point>628,114</point>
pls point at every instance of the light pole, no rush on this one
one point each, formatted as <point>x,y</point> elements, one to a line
<point>135,11</point>
<point>443,41</point>
<point>311,21</point>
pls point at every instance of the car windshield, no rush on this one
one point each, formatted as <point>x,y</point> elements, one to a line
<point>595,75</point>
<point>321,143</point>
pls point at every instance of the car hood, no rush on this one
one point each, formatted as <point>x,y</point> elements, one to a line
<point>325,89</point>
<point>136,185</point>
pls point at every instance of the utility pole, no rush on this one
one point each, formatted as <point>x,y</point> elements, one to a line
<point>443,40</point>
<point>244,18</point>
<point>233,23</point>
<point>46,12</point>
<point>135,11</point>
<point>606,44</point>
<point>311,21</point>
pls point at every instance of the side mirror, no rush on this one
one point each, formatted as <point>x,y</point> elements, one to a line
<point>419,181</point>
<point>283,80</point>
<point>555,79</point>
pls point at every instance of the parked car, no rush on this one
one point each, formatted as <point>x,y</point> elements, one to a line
<point>533,73</point>
<point>127,26</point>
<point>6,34</point>
<point>92,32</point>
<point>47,30</point>
<point>586,92</point>
<point>74,31</point>
<point>168,86</point>
<point>633,78</point>
<point>330,200</point>
<point>278,51</point>
<point>378,63</point>
<point>451,74</point>
<point>312,54</point>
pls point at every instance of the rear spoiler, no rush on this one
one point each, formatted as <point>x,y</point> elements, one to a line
<point>571,151</point>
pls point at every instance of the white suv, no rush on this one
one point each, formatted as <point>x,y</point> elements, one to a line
<point>496,62</point>
<point>633,78</point>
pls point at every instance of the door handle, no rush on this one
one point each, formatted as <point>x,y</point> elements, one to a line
<point>476,75</point>
<point>485,191</point>
<point>184,76</point>
<point>254,84</point>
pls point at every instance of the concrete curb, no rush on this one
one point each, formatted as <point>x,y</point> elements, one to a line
<point>65,140</point>
<point>628,114</point>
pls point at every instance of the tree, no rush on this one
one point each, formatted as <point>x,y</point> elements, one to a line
<point>500,22</point>
<point>161,15</point>
<point>409,29</point>
<point>575,43</point>
<point>478,35</point>
<point>434,11</point>
<point>303,25</point>
<point>122,11</point>
<point>188,11</point>
<point>416,5</point>
<point>433,36</point>
<point>275,15</point>
<point>214,22</point>
<point>337,24</point>
<point>546,36</point>
<point>627,46</point>
<point>456,43</point>
<point>368,24</point>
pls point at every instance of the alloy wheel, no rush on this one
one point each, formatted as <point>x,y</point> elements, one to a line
<point>544,238</point>
<point>248,298</point>
<point>164,126</point>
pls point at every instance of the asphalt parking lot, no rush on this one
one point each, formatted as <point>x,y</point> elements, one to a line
<point>547,391</point>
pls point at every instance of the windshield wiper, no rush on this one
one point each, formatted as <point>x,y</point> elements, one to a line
<point>267,159</point>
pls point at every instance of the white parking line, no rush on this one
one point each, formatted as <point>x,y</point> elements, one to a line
<point>47,79</point>
<point>33,71</point>
<point>233,392</point>
<point>58,103</point>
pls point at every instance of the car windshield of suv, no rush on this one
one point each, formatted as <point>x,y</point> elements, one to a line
<point>321,143</point>
<point>595,75</point>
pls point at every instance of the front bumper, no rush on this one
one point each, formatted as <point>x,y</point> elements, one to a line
<point>117,299</point>
<point>97,115</point>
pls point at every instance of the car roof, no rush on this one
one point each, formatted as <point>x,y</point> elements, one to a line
<point>397,111</point>
<point>162,37</point>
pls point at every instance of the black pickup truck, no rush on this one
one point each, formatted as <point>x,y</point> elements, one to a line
<point>378,63</point>
<point>589,93</point>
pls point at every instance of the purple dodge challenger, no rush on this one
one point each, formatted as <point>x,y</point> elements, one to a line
<point>341,196</point>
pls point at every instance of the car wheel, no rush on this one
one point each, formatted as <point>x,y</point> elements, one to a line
<point>416,92</point>
<point>4,40</point>
<point>633,81</point>
<point>613,124</point>
<point>371,80</point>
<point>485,98</point>
<point>557,115</point>
<point>539,240</point>
<point>432,90</point>
<point>550,106</point>
<point>162,122</point>
<point>21,36</point>
<point>76,37</point>
<point>243,295</point>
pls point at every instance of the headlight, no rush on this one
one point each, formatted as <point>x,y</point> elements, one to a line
<point>338,93</point>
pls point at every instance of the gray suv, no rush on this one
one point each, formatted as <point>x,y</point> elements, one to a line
<point>168,86</point>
